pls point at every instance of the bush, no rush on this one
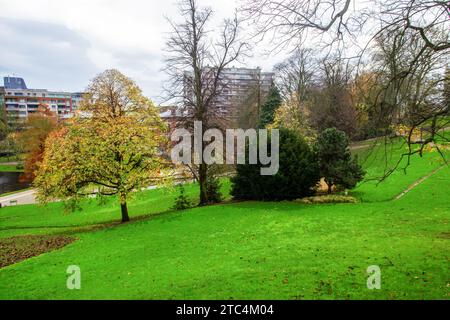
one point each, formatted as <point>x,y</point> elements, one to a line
<point>336,164</point>
<point>182,201</point>
<point>213,189</point>
<point>327,199</point>
<point>297,176</point>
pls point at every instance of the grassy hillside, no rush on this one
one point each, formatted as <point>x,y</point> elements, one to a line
<point>53,218</point>
<point>377,157</point>
<point>247,250</point>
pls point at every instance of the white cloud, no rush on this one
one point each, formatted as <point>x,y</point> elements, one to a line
<point>101,59</point>
<point>124,34</point>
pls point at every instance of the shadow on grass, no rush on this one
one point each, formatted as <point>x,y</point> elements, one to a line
<point>82,228</point>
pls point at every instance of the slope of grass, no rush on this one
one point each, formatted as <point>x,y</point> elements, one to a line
<point>257,250</point>
<point>247,250</point>
<point>53,218</point>
<point>378,157</point>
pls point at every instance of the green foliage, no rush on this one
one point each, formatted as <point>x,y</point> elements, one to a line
<point>293,114</point>
<point>3,129</point>
<point>182,202</point>
<point>297,175</point>
<point>213,185</point>
<point>336,164</point>
<point>270,106</point>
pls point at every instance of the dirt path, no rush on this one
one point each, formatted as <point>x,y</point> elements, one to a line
<point>416,183</point>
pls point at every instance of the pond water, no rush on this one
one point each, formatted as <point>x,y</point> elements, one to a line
<point>9,181</point>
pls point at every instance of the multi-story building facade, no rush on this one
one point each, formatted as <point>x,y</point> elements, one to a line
<point>2,101</point>
<point>240,88</point>
<point>20,101</point>
<point>240,83</point>
<point>76,100</point>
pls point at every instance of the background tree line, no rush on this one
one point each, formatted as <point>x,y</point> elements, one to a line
<point>376,70</point>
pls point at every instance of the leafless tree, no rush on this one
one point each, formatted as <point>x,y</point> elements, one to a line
<point>295,75</point>
<point>291,22</point>
<point>288,22</point>
<point>332,104</point>
<point>250,99</point>
<point>195,62</point>
<point>411,102</point>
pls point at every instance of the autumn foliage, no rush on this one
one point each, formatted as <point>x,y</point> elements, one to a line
<point>32,140</point>
<point>111,149</point>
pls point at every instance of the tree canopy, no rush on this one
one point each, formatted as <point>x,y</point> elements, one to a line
<point>336,164</point>
<point>112,148</point>
<point>296,178</point>
<point>32,139</point>
<point>270,106</point>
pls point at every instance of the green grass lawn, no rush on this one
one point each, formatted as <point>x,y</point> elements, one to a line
<point>378,157</point>
<point>9,168</point>
<point>246,250</point>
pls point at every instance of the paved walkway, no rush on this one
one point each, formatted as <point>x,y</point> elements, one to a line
<point>24,197</point>
<point>13,163</point>
<point>416,183</point>
<point>29,197</point>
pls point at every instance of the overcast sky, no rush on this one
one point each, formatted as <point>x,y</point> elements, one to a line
<point>62,44</point>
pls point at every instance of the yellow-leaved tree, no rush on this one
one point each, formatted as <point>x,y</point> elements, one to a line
<point>112,147</point>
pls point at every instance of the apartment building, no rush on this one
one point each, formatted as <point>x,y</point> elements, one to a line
<point>239,88</point>
<point>2,101</point>
<point>239,84</point>
<point>20,101</point>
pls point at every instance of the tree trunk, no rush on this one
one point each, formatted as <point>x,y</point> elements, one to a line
<point>124,208</point>
<point>330,185</point>
<point>203,186</point>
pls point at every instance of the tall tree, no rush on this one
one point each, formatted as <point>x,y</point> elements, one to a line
<point>332,104</point>
<point>195,64</point>
<point>295,75</point>
<point>295,116</point>
<point>269,107</point>
<point>250,101</point>
<point>112,148</point>
<point>410,102</point>
<point>38,127</point>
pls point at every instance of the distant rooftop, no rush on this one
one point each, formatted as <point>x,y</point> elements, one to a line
<point>14,83</point>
